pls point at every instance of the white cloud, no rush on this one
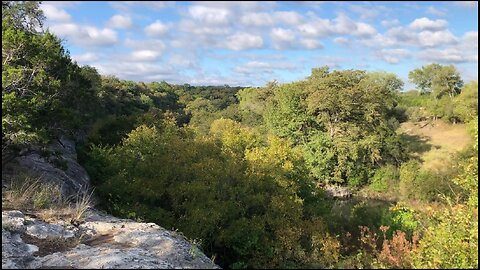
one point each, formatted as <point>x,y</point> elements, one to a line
<point>85,35</point>
<point>436,11</point>
<point>432,39</point>
<point>311,43</point>
<point>189,26</point>
<point>185,61</point>
<point>145,55</point>
<point>449,55</point>
<point>392,56</point>
<point>316,28</point>
<point>126,6</point>
<point>365,12</point>
<point>364,30</point>
<point>54,13</point>
<point>282,38</point>
<point>120,21</point>
<point>390,23</point>
<point>288,17</point>
<point>137,71</point>
<point>379,40</point>
<point>470,39</point>
<point>427,24</point>
<point>210,15</point>
<point>341,40</point>
<point>342,24</point>
<point>266,67</point>
<point>156,29</point>
<point>156,45</point>
<point>257,19</point>
<point>85,58</point>
<point>243,41</point>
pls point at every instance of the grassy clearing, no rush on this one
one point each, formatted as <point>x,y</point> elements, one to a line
<point>435,143</point>
<point>45,199</point>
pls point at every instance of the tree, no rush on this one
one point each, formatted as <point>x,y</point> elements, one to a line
<point>24,15</point>
<point>466,103</point>
<point>437,79</point>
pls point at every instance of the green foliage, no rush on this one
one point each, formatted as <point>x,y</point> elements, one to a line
<point>242,208</point>
<point>385,178</point>
<point>400,217</point>
<point>24,15</point>
<point>466,104</point>
<point>437,79</point>
<point>452,242</point>
<point>341,119</point>
<point>426,185</point>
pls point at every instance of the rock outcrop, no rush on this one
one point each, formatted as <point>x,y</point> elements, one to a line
<point>338,191</point>
<point>58,165</point>
<point>101,241</point>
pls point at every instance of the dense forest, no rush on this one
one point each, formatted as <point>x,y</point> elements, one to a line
<point>241,171</point>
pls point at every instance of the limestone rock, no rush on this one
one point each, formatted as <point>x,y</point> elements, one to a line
<point>338,191</point>
<point>101,241</point>
<point>60,166</point>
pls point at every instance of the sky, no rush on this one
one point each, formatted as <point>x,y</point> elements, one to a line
<point>252,43</point>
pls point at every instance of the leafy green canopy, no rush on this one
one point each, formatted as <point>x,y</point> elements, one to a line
<point>343,120</point>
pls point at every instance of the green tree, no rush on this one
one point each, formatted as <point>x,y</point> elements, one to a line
<point>437,79</point>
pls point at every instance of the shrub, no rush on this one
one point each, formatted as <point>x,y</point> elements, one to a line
<point>384,178</point>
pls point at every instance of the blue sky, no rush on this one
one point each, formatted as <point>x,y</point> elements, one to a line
<point>251,43</point>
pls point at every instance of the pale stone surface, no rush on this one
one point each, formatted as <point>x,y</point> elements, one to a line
<point>337,191</point>
<point>103,242</point>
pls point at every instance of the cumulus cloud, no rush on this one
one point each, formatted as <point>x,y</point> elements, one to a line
<point>192,27</point>
<point>137,71</point>
<point>156,29</point>
<point>392,56</point>
<point>390,23</point>
<point>432,39</point>
<point>429,25</point>
<point>311,43</point>
<point>342,41</point>
<point>282,38</point>
<point>85,58</point>
<point>266,67</point>
<point>365,12</point>
<point>470,39</point>
<point>243,41</point>
<point>257,19</point>
<point>316,28</point>
<point>436,11</point>
<point>210,15</point>
<point>145,55</point>
<point>185,61</point>
<point>288,17</point>
<point>54,13</point>
<point>449,55</point>
<point>85,35</point>
<point>406,35</point>
<point>120,21</point>
<point>342,24</point>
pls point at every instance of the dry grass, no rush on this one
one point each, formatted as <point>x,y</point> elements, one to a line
<point>45,199</point>
<point>435,143</point>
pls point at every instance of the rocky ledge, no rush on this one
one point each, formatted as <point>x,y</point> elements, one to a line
<point>100,241</point>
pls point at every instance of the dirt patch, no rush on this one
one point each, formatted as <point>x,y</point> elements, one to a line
<point>50,245</point>
<point>435,142</point>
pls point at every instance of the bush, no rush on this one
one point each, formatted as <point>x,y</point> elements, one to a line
<point>385,178</point>
<point>408,175</point>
